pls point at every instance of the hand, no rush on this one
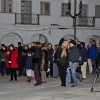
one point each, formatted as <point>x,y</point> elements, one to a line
<point>70,63</point>
<point>48,70</point>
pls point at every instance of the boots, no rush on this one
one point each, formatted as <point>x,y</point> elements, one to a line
<point>29,79</point>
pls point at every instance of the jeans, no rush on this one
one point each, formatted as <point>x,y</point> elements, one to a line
<point>68,76</point>
<point>73,67</point>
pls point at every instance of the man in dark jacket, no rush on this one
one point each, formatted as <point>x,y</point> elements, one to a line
<point>20,50</point>
<point>73,58</point>
<point>50,58</point>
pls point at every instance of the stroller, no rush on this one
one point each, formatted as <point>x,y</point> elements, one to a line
<point>95,79</point>
<point>97,74</point>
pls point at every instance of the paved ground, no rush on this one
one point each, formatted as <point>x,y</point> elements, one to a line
<point>21,90</point>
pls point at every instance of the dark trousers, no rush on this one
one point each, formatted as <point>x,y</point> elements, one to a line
<point>94,65</point>
<point>20,66</point>
<point>37,77</point>
<point>2,68</point>
<point>62,70</point>
<point>51,69</point>
<point>13,73</point>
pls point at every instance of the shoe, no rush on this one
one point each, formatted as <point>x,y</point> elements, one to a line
<point>15,79</point>
<point>80,79</point>
<point>10,80</point>
<point>73,86</point>
<point>45,82</point>
<point>62,85</point>
<point>65,85</point>
<point>35,84</point>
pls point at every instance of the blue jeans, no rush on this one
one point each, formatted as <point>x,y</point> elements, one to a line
<point>68,76</point>
<point>73,67</point>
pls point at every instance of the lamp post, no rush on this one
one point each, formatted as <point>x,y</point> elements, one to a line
<point>75,14</point>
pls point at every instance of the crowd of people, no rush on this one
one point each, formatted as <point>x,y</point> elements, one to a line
<point>68,60</point>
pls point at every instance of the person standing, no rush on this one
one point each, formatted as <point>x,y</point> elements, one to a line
<point>50,57</point>
<point>99,54</point>
<point>93,54</point>
<point>89,58</point>
<point>20,50</point>
<point>11,62</point>
<point>36,60</point>
<point>73,58</point>
<point>28,65</point>
<point>55,67</point>
<point>3,59</point>
<point>83,67</point>
<point>44,64</point>
<point>62,62</point>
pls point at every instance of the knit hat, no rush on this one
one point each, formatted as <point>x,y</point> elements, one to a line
<point>73,42</point>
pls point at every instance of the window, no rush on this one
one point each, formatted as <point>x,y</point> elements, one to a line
<point>6,6</point>
<point>26,12</point>
<point>45,8</point>
<point>84,11</point>
<point>97,11</point>
<point>64,10</point>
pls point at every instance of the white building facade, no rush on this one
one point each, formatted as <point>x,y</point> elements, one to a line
<point>47,21</point>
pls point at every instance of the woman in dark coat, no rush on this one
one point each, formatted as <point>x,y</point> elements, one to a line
<point>44,64</point>
<point>62,61</point>
<point>36,63</point>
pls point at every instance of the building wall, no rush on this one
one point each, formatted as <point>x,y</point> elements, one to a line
<point>24,33</point>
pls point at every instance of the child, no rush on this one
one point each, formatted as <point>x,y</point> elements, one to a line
<point>28,65</point>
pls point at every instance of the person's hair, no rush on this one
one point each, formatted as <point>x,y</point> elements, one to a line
<point>29,52</point>
<point>11,45</point>
<point>94,41</point>
<point>2,44</point>
<point>62,46</point>
<point>37,44</point>
<point>83,44</point>
<point>49,44</point>
<point>19,43</point>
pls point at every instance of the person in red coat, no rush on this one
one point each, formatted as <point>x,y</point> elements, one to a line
<point>11,62</point>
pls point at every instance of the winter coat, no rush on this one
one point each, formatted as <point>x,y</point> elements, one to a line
<point>50,55</point>
<point>57,57</point>
<point>2,56</point>
<point>20,50</point>
<point>73,55</point>
<point>14,57</point>
<point>44,61</point>
<point>28,63</point>
<point>36,59</point>
<point>84,51</point>
<point>92,53</point>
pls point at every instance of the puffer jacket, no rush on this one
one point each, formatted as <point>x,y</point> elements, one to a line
<point>73,55</point>
<point>36,59</point>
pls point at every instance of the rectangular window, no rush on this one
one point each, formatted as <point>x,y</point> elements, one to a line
<point>64,10</point>
<point>84,10</point>
<point>26,12</point>
<point>45,8</point>
<point>97,11</point>
<point>6,6</point>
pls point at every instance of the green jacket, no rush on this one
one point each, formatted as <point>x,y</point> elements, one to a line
<point>2,56</point>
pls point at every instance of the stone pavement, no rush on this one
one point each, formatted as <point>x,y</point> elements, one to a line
<point>21,90</point>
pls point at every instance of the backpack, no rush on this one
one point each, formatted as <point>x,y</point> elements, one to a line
<point>81,58</point>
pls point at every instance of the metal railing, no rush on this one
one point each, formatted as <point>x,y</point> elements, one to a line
<point>27,19</point>
<point>85,21</point>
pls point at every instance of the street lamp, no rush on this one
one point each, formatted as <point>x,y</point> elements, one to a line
<point>75,14</point>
